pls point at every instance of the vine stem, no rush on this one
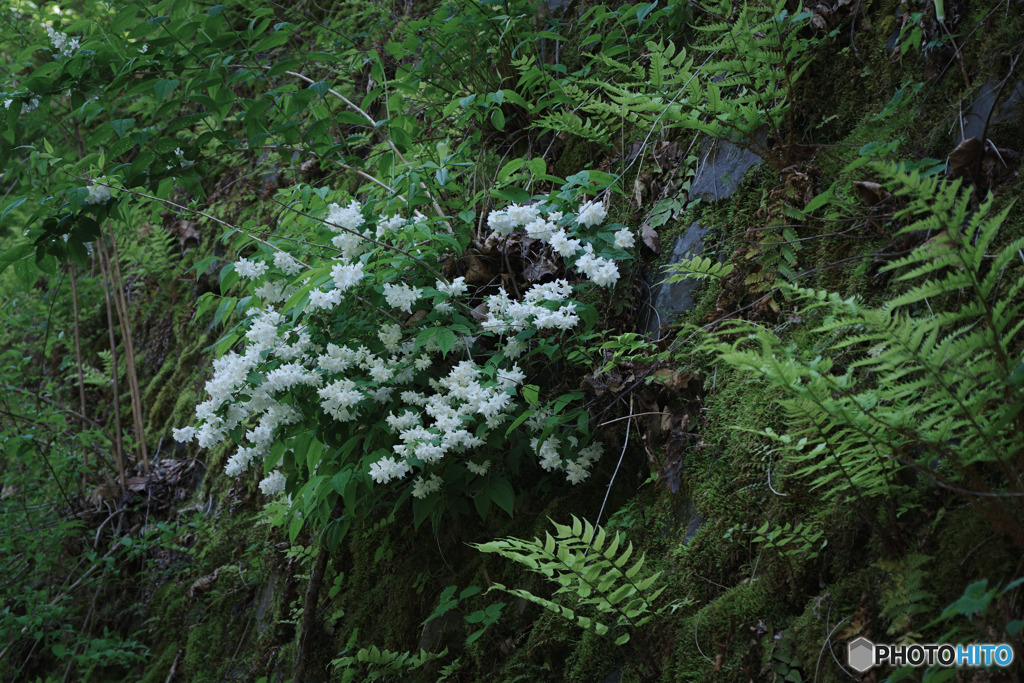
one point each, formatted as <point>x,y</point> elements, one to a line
<point>309,603</point>
<point>618,465</point>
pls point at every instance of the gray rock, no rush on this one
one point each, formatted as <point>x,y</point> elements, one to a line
<point>670,300</point>
<point>686,516</point>
<point>446,631</point>
<point>264,610</point>
<point>722,166</point>
<point>1009,106</point>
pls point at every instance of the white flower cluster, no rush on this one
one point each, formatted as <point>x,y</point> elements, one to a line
<point>576,469</point>
<point>287,263</point>
<point>436,408</point>
<point>98,194</point>
<point>401,296</point>
<point>597,269</point>
<point>61,43</point>
<point>25,108</point>
<point>250,270</point>
<point>505,316</point>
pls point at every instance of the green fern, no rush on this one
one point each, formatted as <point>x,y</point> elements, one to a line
<point>930,380</point>
<point>740,89</point>
<point>697,268</point>
<point>375,664</point>
<point>904,595</point>
<point>101,378</point>
<point>592,571</point>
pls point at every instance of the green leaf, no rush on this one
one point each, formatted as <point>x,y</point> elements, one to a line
<point>121,126</point>
<point>508,169</point>
<point>401,137</point>
<point>164,86</point>
<point>500,491</point>
<point>445,341</point>
<point>642,10</point>
<point>498,119</point>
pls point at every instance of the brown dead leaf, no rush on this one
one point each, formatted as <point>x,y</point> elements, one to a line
<point>539,269</point>
<point>479,271</point>
<point>672,379</point>
<point>204,583</point>
<point>480,312</point>
<point>982,163</point>
<point>650,237</point>
<point>416,317</point>
<point>873,194</point>
<point>965,160</point>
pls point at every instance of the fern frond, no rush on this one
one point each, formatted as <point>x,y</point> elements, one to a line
<point>590,568</point>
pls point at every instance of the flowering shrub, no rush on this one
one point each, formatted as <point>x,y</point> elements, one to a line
<point>361,365</point>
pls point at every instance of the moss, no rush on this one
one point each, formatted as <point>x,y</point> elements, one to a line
<point>726,620</point>
<point>159,667</point>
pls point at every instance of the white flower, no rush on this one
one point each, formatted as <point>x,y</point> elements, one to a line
<point>624,239</point>
<point>509,378</point>
<point>274,483</point>
<point>287,263</point>
<point>591,453</point>
<point>239,462</point>
<point>320,299</point>
<point>591,214</point>
<point>387,468</point>
<point>500,222</point>
<point>562,243</point>
<point>540,229</point>
<point>522,215</point>
<point>349,217</point>
<point>184,435</point>
<point>390,336</point>
<point>347,275</point>
<point>386,225</point>
<point>479,470</point>
<point>422,489</point>
<point>575,472</point>
<point>60,41</point>
<point>548,452</point>
<point>401,296</point>
<point>514,348</point>
<point>273,292</point>
<point>98,194</point>
<point>456,288</point>
<point>340,399</point>
<point>601,271</point>
<point>552,291</point>
<point>250,269</point>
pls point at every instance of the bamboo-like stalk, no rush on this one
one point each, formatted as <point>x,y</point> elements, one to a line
<point>126,336</point>
<point>78,347</point>
<point>118,446</point>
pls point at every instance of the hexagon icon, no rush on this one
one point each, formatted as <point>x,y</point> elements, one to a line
<point>862,654</point>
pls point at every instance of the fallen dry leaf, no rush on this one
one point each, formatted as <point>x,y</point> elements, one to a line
<point>650,237</point>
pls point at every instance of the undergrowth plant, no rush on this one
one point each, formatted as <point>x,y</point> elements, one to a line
<point>359,362</point>
<point>740,92</point>
<point>597,587</point>
<point>924,389</point>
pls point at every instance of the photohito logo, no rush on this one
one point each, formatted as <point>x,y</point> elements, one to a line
<point>863,654</point>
